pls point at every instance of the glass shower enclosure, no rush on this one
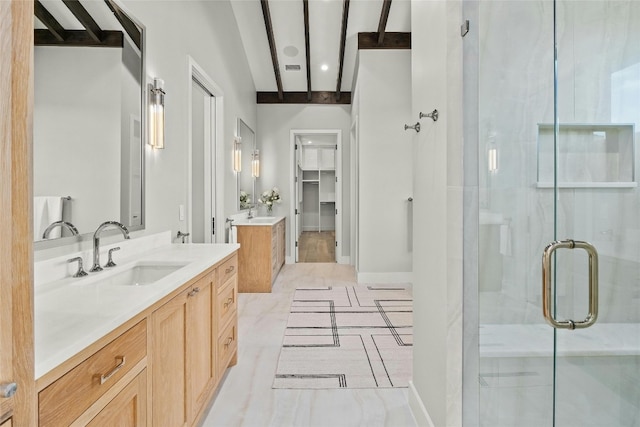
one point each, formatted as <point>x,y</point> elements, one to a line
<point>552,104</point>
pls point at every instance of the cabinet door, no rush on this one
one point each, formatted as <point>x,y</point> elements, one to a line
<point>128,408</point>
<point>200,334</point>
<point>169,352</point>
<point>16,249</point>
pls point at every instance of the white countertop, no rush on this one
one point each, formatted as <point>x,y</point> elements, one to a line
<point>71,314</point>
<point>259,220</point>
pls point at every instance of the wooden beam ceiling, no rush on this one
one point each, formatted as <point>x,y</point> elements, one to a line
<point>317,97</point>
<point>129,26</point>
<point>343,40</point>
<point>272,46</point>
<point>81,14</point>
<point>384,16</point>
<point>391,41</point>
<point>53,26</point>
<point>305,5</point>
<point>79,38</point>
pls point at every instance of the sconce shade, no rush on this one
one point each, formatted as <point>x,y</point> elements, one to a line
<point>156,114</point>
<point>493,160</point>
<point>237,154</point>
<point>255,164</point>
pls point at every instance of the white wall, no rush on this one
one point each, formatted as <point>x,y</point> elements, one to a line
<point>273,139</point>
<point>76,122</point>
<point>438,215</point>
<point>385,165</point>
<point>206,31</point>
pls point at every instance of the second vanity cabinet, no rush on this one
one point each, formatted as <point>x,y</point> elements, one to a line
<point>159,369</point>
<point>262,254</point>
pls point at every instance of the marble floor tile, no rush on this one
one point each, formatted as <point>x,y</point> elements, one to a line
<point>245,397</point>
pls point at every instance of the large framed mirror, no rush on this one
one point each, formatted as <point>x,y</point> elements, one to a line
<point>246,183</point>
<point>89,121</point>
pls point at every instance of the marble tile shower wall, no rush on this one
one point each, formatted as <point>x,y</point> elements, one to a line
<point>595,40</point>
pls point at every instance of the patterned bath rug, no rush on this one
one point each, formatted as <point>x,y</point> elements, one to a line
<point>347,337</point>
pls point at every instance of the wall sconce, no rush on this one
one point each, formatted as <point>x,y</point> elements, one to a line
<point>156,114</point>
<point>237,154</point>
<point>255,164</point>
<point>493,160</point>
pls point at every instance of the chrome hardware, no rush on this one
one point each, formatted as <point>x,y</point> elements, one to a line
<point>80,272</point>
<point>415,127</point>
<point>120,360</point>
<point>432,115</point>
<point>110,262</point>
<point>96,241</point>
<point>193,291</point>
<point>62,224</point>
<point>8,389</point>
<point>183,235</point>
<point>228,302</point>
<point>547,298</point>
<point>230,269</point>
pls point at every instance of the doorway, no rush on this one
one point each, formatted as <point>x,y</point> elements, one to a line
<point>317,189</point>
<point>205,109</point>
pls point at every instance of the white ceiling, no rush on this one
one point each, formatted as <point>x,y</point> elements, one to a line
<point>325,21</point>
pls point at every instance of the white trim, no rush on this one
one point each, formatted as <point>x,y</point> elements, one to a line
<point>399,277</point>
<point>196,72</point>
<point>345,260</point>
<point>418,409</point>
<point>292,174</point>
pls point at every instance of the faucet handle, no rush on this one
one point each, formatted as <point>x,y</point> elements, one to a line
<point>110,262</point>
<point>80,272</point>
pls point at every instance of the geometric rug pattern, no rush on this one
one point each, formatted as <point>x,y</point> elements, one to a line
<point>347,337</point>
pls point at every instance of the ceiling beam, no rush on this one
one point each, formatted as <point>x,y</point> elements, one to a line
<point>305,4</point>
<point>129,26</point>
<point>317,97</point>
<point>382,25</point>
<point>272,46</point>
<point>79,38</point>
<point>49,21</point>
<point>391,41</point>
<point>343,40</point>
<point>85,19</point>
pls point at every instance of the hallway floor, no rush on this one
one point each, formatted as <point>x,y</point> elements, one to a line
<point>317,246</point>
<point>246,397</point>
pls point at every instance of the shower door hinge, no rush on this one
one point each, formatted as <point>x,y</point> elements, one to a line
<point>464,28</point>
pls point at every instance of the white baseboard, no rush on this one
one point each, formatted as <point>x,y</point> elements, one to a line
<point>289,260</point>
<point>385,277</point>
<point>417,408</point>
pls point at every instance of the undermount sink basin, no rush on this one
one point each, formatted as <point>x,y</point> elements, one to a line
<point>142,274</point>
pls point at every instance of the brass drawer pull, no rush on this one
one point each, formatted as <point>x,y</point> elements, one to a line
<point>105,377</point>
<point>228,343</point>
<point>230,269</point>
<point>228,302</point>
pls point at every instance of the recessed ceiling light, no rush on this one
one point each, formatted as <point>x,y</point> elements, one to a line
<point>324,67</point>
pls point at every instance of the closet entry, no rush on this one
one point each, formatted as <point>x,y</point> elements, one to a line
<point>316,189</point>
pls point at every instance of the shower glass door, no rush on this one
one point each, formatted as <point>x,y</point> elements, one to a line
<point>597,369</point>
<point>555,88</point>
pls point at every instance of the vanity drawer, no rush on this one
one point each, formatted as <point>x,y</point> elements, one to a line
<point>227,344</point>
<point>69,396</point>
<point>227,300</point>
<point>227,269</point>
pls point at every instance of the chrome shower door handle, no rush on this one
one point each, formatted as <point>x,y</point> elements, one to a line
<point>547,297</point>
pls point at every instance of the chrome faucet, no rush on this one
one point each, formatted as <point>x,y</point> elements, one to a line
<point>250,214</point>
<point>96,241</point>
<point>61,224</point>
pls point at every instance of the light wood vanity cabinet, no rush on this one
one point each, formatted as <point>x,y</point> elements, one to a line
<point>261,256</point>
<point>162,371</point>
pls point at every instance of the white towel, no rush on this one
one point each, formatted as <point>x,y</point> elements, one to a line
<point>505,240</point>
<point>233,234</point>
<point>54,213</point>
<point>40,217</point>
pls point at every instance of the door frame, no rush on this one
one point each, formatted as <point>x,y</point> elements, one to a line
<point>213,173</point>
<point>293,133</point>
